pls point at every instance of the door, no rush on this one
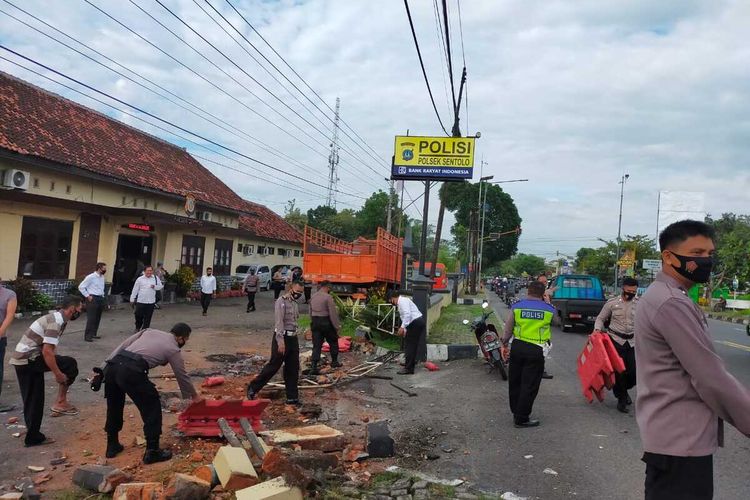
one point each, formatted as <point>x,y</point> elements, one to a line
<point>88,244</point>
<point>133,255</point>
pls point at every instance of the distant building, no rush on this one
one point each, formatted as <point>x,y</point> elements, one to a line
<point>78,187</point>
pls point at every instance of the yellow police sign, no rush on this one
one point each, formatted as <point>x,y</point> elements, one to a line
<point>433,157</point>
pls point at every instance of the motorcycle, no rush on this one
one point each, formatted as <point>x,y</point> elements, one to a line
<point>489,341</point>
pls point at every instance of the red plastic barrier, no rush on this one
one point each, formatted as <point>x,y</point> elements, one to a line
<point>200,419</point>
<point>431,366</point>
<point>597,365</point>
<point>345,345</point>
<point>212,381</point>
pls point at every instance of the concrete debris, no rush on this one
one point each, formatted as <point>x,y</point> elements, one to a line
<point>35,468</point>
<point>185,487</point>
<point>509,495</point>
<point>275,489</point>
<point>425,477</point>
<point>234,468</point>
<point>550,472</point>
<point>527,457</point>
<point>207,473</point>
<point>11,496</point>
<point>279,461</point>
<point>31,494</point>
<point>315,437</point>
<point>100,478</point>
<point>380,444</point>
<point>139,491</point>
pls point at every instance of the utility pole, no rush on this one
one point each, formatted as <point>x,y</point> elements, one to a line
<point>624,178</point>
<point>389,217</point>
<point>333,160</point>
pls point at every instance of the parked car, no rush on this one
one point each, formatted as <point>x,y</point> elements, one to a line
<point>578,298</point>
<point>261,270</point>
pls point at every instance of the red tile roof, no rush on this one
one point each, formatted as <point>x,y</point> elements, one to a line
<point>41,124</point>
<point>267,224</point>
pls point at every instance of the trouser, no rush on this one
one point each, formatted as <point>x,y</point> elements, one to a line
<point>31,382</point>
<point>626,379</point>
<point>94,316</point>
<point>3,344</point>
<point>143,313</point>
<point>206,301</point>
<point>251,301</point>
<point>308,293</point>
<point>290,360</point>
<point>679,478</point>
<point>322,329</point>
<point>159,296</point>
<point>414,333</point>
<point>525,370</point>
<point>277,289</point>
<point>122,377</point>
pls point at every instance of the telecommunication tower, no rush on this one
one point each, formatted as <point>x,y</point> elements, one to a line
<point>333,160</point>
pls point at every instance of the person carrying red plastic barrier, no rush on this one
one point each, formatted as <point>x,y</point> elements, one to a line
<point>685,392</point>
<point>617,318</point>
<point>529,323</point>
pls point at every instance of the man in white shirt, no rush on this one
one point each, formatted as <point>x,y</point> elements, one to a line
<point>208,289</point>
<point>92,289</point>
<point>413,327</point>
<point>143,297</point>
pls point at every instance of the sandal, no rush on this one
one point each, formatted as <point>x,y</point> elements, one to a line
<point>72,411</point>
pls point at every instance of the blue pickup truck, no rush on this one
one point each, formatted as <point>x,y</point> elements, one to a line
<point>578,298</point>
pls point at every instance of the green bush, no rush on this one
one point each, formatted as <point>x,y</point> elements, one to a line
<point>29,298</point>
<point>183,278</point>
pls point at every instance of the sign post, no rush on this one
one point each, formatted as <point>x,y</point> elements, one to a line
<point>433,158</point>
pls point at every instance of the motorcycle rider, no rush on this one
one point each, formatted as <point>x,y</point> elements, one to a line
<point>617,318</point>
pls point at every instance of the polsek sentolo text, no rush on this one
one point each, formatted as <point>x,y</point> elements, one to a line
<point>444,161</point>
<point>445,148</point>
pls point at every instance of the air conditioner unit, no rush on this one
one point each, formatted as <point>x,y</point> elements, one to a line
<point>204,216</point>
<point>16,179</point>
<point>265,250</point>
<point>247,250</point>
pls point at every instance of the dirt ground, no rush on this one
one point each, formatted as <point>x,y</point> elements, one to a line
<point>228,342</point>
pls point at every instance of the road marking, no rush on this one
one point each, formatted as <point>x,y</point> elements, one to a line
<point>735,345</point>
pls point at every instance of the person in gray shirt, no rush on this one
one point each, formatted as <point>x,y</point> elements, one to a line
<point>684,390</point>
<point>8,304</point>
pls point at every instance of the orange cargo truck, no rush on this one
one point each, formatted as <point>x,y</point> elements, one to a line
<point>352,267</point>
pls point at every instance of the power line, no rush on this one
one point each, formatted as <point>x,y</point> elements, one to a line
<point>463,56</point>
<point>450,55</point>
<point>441,43</point>
<point>421,63</point>
<point>296,74</point>
<point>224,125</point>
<point>162,120</point>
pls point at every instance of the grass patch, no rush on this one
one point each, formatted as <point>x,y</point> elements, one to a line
<point>78,494</point>
<point>383,479</point>
<point>349,326</point>
<point>449,328</point>
<point>729,313</point>
<point>441,491</point>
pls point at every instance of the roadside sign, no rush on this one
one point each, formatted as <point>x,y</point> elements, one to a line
<point>433,158</point>
<point>652,264</point>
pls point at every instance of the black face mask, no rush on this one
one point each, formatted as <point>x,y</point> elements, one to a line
<point>696,269</point>
<point>75,315</point>
<point>628,295</point>
<point>296,295</point>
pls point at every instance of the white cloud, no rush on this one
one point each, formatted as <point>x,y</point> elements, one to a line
<point>568,94</point>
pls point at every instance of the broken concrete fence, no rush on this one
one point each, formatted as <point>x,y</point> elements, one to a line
<point>185,487</point>
<point>380,444</point>
<point>139,491</point>
<point>315,437</point>
<point>100,478</point>
<point>207,473</point>
<point>234,469</point>
<point>275,489</point>
<point>279,461</point>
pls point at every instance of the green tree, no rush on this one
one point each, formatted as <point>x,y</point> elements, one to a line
<point>374,214</point>
<point>732,247</point>
<point>294,216</point>
<point>501,216</point>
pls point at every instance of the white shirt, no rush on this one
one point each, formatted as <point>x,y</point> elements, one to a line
<point>93,284</point>
<point>408,310</point>
<point>208,284</point>
<point>143,291</point>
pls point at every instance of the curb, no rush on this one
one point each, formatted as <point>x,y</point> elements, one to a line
<point>739,321</point>
<point>468,302</point>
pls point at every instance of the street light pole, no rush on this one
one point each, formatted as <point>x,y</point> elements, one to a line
<point>624,178</point>
<point>483,215</point>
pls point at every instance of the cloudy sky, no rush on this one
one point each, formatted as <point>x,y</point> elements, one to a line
<point>569,94</point>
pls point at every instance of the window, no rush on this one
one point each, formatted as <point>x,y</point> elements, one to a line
<point>223,257</point>
<point>68,189</point>
<point>192,253</point>
<point>248,250</point>
<point>240,246</point>
<point>262,250</point>
<point>296,253</point>
<point>45,248</point>
<point>271,250</point>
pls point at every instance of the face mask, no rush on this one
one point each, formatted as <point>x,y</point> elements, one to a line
<point>696,269</point>
<point>296,295</point>
<point>75,315</point>
<point>628,295</point>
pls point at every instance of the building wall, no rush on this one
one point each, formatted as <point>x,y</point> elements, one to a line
<point>271,260</point>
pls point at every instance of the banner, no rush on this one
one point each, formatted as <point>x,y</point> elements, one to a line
<point>430,158</point>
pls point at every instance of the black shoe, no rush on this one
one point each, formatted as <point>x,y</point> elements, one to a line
<point>251,394</point>
<point>154,456</point>
<point>247,311</point>
<point>527,423</point>
<point>88,339</point>
<point>96,337</point>
<point>313,371</point>
<point>547,375</point>
<point>294,402</point>
<point>113,450</point>
<point>622,405</point>
<point>336,364</point>
<point>629,401</point>
<point>405,372</point>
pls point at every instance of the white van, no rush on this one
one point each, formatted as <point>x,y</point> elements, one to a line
<point>262,271</point>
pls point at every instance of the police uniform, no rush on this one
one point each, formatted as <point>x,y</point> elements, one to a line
<point>620,314</point>
<point>126,373</point>
<point>285,330</point>
<point>529,323</point>
<point>325,326</point>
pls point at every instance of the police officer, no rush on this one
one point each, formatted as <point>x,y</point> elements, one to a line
<point>529,323</point>
<point>325,326</point>
<point>619,313</point>
<point>126,372</point>
<point>284,347</point>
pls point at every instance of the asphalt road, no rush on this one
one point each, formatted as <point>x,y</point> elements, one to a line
<point>594,449</point>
